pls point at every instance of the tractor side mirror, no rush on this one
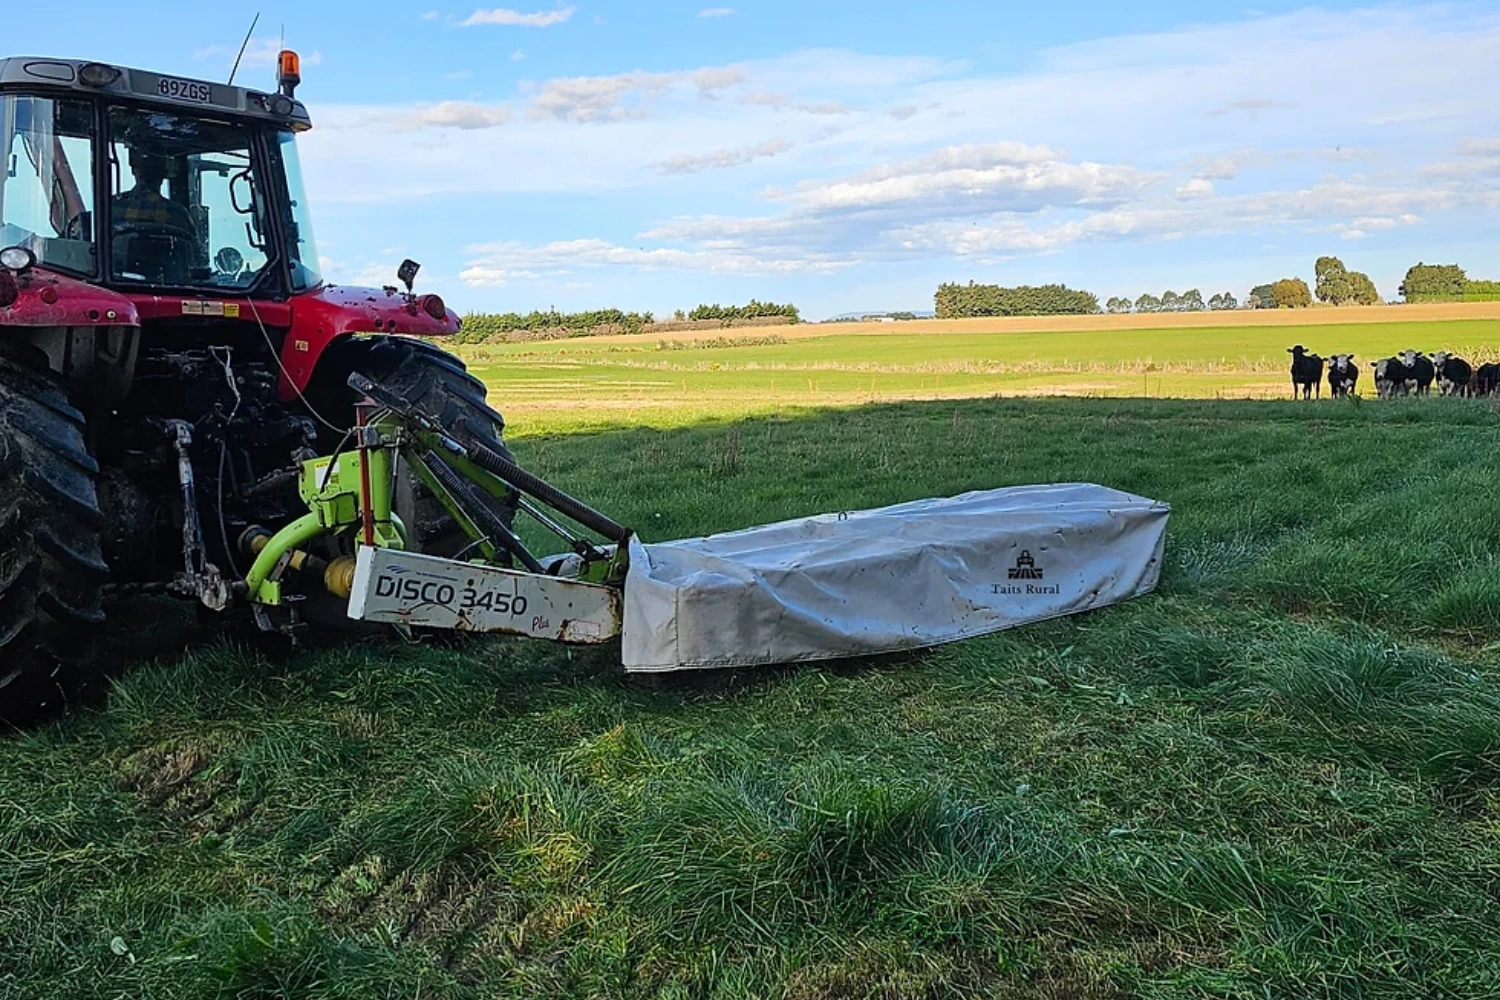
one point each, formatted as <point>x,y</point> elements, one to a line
<point>407,273</point>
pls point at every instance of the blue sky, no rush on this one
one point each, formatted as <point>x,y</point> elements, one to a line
<point>850,156</point>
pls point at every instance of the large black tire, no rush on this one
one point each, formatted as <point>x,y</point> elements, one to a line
<point>435,382</point>
<point>52,574</point>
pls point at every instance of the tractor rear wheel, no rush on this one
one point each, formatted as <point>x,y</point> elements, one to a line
<point>435,382</point>
<point>52,574</point>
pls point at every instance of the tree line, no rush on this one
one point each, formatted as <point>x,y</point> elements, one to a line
<point>750,310</point>
<point>478,327</point>
<point>954,301</point>
<point>1446,283</point>
<point>553,325</point>
<point>1170,302</point>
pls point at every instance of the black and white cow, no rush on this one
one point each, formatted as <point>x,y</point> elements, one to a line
<point>1486,380</point>
<point>1343,375</point>
<point>1392,378</point>
<point>1453,374</point>
<point>1307,372</point>
<point>1422,371</point>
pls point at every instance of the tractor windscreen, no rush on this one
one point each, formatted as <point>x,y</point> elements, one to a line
<point>187,205</point>
<point>46,188</point>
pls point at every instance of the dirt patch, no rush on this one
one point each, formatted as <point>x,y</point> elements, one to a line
<point>157,773</point>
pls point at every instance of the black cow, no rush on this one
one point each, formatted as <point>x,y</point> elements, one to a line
<point>1453,373</point>
<point>1307,372</point>
<point>1422,370</point>
<point>1343,375</point>
<point>1486,380</point>
<point>1392,378</point>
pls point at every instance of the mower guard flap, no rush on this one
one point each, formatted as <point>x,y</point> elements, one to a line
<point>876,581</point>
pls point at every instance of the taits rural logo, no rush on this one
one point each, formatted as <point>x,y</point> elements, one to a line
<point>1025,568</point>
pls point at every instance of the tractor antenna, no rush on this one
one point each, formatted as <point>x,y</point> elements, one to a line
<point>243,45</point>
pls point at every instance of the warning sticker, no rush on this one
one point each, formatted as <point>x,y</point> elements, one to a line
<point>201,308</point>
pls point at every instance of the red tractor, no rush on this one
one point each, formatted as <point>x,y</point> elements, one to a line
<point>170,355</point>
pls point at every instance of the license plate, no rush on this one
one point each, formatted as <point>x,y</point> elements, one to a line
<point>184,90</point>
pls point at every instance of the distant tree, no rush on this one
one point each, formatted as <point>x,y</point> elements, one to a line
<point>1170,303</point>
<point>679,315</point>
<point>1223,300</point>
<point>1291,293</point>
<point>1191,301</point>
<point>1332,281</point>
<point>1434,283</point>
<point>1148,303</point>
<point>1362,290</point>
<point>1262,298</point>
<point>1117,304</point>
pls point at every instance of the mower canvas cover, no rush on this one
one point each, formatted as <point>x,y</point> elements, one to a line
<point>876,581</point>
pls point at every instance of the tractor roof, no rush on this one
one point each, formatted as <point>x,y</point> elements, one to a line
<point>32,72</point>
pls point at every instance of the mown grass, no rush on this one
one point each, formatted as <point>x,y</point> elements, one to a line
<point>586,384</point>
<point>1276,777</point>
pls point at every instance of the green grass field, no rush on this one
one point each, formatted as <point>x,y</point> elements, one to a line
<point>1277,777</point>
<point>594,384</point>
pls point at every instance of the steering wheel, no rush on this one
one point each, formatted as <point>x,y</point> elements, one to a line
<point>157,251</point>
<point>160,230</point>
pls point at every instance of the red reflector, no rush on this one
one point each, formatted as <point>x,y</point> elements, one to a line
<point>49,295</point>
<point>434,306</point>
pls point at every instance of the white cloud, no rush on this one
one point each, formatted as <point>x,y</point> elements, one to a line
<point>453,114</point>
<point>978,178</point>
<point>514,18</point>
<point>495,262</point>
<point>624,95</point>
<point>785,102</point>
<point>1480,147</point>
<point>904,112</point>
<point>716,12</point>
<point>718,159</point>
<point>1251,106</point>
<point>1198,187</point>
<point>517,55</point>
<point>430,15</point>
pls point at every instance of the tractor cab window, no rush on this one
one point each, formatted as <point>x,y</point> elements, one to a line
<point>46,186</point>
<point>301,251</point>
<point>187,207</point>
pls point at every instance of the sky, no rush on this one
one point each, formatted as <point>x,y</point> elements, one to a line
<point>849,157</point>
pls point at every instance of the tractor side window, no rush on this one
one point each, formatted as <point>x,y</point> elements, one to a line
<point>301,251</point>
<point>187,207</point>
<point>46,188</point>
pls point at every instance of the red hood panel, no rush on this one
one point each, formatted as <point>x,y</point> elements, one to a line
<point>322,316</point>
<point>46,298</point>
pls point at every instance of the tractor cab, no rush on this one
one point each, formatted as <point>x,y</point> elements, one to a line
<point>149,183</point>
